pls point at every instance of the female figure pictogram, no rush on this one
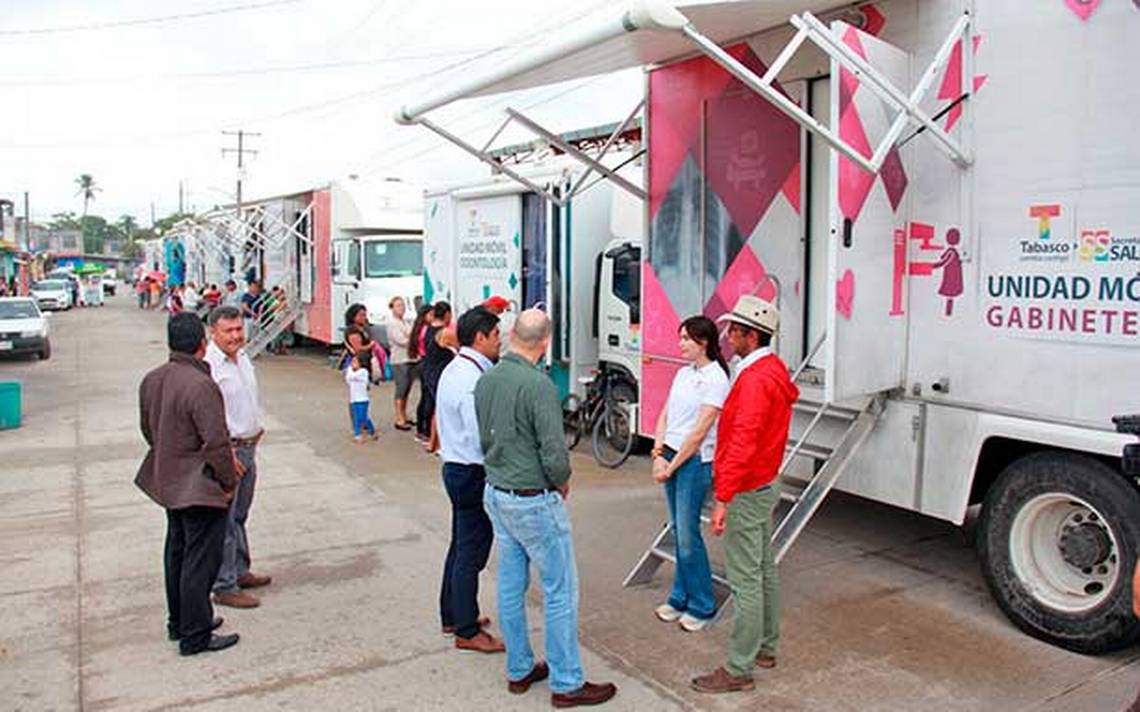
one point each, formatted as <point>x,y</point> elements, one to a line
<point>951,264</point>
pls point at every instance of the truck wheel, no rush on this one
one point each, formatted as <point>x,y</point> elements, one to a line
<point>45,354</point>
<point>1058,542</point>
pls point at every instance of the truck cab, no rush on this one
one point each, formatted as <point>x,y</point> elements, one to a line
<point>617,309</point>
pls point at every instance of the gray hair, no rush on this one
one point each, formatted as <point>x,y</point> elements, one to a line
<point>531,327</point>
<point>223,312</point>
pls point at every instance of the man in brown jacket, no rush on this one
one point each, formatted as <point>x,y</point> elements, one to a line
<point>189,470</point>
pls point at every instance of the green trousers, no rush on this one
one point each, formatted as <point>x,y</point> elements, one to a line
<point>752,576</point>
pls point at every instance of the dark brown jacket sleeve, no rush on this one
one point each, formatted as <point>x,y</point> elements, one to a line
<point>144,411</point>
<point>209,414</point>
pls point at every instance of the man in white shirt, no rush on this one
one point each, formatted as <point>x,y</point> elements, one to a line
<point>232,370</point>
<point>464,478</point>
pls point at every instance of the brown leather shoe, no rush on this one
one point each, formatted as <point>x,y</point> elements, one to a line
<point>765,660</point>
<point>252,580</point>
<point>483,622</point>
<point>588,694</point>
<point>721,680</point>
<point>482,642</point>
<point>237,599</point>
<point>538,673</point>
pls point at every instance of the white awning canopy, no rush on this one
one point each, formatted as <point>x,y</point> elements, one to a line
<point>637,35</point>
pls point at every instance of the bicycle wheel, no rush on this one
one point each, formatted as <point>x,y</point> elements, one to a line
<point>613,435</point>
<point>572,417</point>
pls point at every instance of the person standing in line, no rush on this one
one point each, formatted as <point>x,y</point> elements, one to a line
<point>190,471</point>
<point>142,292</point>
<point>683,448</point>
<point>463,478</point>
<point>437,355</point>
<point>357,377</point>
<point>233,371</point>
<point>231,297</point>
<point>528,479</point>
<point>252,304</point>
<point>405,367</point>
<point>416,349</point>
<point>751,438</point>
<point>155,298</point>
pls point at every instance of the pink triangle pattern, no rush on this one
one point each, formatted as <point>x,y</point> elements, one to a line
<point>1083,8</point>
<point>952,81</point>
<point>659,334</point>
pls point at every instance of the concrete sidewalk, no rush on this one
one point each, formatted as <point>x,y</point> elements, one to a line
<point>350,621</point>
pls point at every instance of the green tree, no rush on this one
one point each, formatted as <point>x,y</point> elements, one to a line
<point>87,189</point>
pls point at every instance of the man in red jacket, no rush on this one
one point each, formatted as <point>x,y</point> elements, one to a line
<point>750,443</point>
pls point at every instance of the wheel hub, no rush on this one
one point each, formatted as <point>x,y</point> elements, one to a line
<point>1085,545</point>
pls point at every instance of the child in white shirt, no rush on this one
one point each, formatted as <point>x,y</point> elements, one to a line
<point>356,376</point>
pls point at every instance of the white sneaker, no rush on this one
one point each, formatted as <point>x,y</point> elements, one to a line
<point>667,613</point>
<point>693,624</point>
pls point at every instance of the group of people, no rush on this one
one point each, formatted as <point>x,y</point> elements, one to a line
<point>199,416</point>
<point>506,471</point>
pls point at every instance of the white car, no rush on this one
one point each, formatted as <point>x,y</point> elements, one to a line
<point>23,327</point>
<point>52,293</point>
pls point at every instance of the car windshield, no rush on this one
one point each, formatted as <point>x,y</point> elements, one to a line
<point>395,258</point>
<point>48,285</point>
<point>21,309</point>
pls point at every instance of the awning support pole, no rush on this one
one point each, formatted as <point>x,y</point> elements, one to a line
<point>495,165</point>
<point>823,37</point>
<point>608,144</point>
<point>558,141</point>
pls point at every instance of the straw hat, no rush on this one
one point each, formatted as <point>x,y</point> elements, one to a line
<point>755,313</point>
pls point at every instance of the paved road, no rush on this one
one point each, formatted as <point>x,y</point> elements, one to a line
<point>883,609</point>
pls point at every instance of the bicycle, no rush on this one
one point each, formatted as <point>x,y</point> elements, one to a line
<point>606,414</point>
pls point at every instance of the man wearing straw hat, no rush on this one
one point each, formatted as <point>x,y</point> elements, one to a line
<point>751,437</point>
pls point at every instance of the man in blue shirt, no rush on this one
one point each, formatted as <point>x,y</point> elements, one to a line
<point>463,477</point>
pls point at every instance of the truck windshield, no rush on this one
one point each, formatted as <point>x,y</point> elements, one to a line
<point>396,258</point>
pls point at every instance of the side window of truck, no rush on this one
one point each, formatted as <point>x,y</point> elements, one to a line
<point>627,281</point>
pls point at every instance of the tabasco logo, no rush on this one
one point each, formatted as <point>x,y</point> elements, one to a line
<point>1048,246</point>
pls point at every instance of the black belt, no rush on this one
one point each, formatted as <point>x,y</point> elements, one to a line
<point>245,442</point>
<point>526,492</point>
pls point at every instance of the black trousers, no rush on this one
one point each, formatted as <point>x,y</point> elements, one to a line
<point>471,536</point>
<point>194,539</point>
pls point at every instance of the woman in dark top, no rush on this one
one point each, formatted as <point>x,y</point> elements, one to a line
<point>416,348</point>
<point>357,339</point>
<point>437,355</point>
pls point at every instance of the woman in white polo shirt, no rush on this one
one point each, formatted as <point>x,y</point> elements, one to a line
<point>683,449</point>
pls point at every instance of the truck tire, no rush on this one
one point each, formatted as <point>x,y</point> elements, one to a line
<point>45,354</point>
<point>1058,541</point>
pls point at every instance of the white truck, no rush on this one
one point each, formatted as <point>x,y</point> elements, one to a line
<point>499,237</point>
<point>330,246</point>
<point>941,195</point>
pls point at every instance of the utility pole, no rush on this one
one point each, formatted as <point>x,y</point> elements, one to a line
<point>241,150</point>
<point>180,211</point>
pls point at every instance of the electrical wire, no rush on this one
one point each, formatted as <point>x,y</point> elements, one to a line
<point>161,19</point>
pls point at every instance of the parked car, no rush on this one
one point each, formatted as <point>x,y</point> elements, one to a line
<point>23,327</point>
<point>109,284</point>
<point>52,293</point>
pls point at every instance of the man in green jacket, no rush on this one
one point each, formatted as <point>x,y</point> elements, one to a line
<point>528,480</point>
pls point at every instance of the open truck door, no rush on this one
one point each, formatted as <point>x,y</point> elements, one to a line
<point>865,344</point>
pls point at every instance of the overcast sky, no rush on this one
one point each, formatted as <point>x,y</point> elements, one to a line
<point>137,92</point>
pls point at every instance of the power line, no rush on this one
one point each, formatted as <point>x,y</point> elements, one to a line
<point>112,24</point>
<point>257,71</point>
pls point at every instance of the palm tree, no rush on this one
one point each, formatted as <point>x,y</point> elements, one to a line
<point>87,189</point>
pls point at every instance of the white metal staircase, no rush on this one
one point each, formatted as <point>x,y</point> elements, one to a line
<point>823,440</point>
<point>274,320</point>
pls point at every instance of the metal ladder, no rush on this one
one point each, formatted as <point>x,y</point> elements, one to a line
<point>273,324</point>
<point>855,421</point>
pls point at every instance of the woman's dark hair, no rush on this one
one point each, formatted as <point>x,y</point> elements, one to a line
<point>414,339</point>
<point>351,312</point>
<point>703,329</point>
<point>440,310</point>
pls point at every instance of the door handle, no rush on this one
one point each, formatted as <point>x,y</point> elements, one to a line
<point>847,225</point>
<point>613,340</point>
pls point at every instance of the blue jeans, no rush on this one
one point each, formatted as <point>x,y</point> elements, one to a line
<point>537,529</point>
<point>235,550</point>
<point>360,420</point>
<point>685,492</point>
